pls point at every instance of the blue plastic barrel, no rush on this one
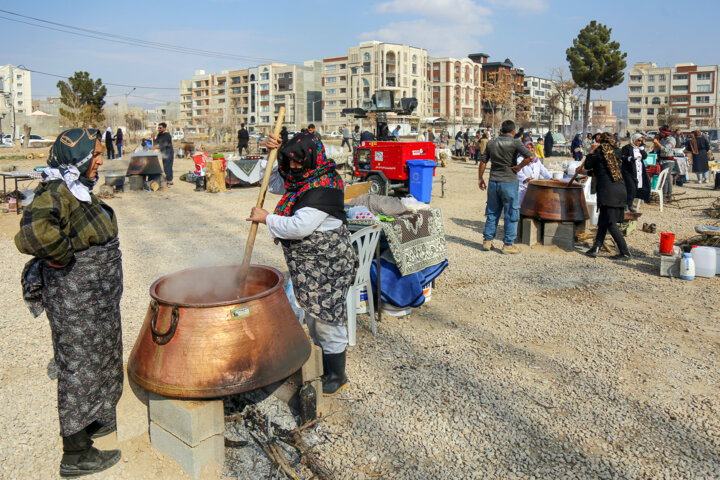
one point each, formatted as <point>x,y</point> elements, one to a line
<point>421,175</point>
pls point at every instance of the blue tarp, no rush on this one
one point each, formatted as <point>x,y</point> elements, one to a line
<point>404,291</point>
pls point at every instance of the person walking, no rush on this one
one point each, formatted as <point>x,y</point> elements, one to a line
<point>347,137</point>
<point>119,139</point>
<point>163,142</point>
<point>243,139</point>
<point>664,146</point>
<point>549,141</point>
<point>502,153</point>
<point>699,147</point>
<point>109,144</point>
<point>356,135</point>
<point>284,135</point>
<point>603,163</point>
<point>576,147</point>
<point>75,276</point>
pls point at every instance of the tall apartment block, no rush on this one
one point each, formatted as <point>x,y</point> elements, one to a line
<point>691,92</point>
<point>455,89</point>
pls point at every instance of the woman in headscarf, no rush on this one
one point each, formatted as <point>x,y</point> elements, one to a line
<point>532,171</point>
<point>119,136</point>
<point>604,164</point>
<point>310,222</point>
<point>576,147</point>
<point>549,142</point>
<point>76,277</point>
<point>635,176</point>
<point>699,147</point>
<point>109,143</point>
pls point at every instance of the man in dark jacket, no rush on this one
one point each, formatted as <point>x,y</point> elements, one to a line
<point>243,139</point>
<point>548,144</point>
<point>163,142</point>
<point>502,153</point>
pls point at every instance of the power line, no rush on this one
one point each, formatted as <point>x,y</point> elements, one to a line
<point>122,39</point>
<point>104,83</point>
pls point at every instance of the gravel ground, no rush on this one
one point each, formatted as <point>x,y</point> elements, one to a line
<point>541,365</point>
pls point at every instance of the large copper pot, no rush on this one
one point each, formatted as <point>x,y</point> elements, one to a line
<point>555,201</point>
<point>200,341</point>
<point>144,163</point>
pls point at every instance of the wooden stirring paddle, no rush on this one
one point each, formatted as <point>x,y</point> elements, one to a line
<point>245,266</point>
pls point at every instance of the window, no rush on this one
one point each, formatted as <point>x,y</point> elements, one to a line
<point>651,111</point>
<point>661,89</point>
<point>534,84</point>
<point>635,78</point>
<point>331,103</point>
<point>436,67</point>
<point>680,110</point>
<point>656,101</point>
<point>436,89</point>
<point>681,100</point>
<point>634,121</point>
<point>19,94</point>
<point>265,119</point>
<point>635,99</point>
<point>20,103</point>
<point>702,111</point>
<point>414,58</point>
<point>635,111</point>
<point>264,98</point>
<point>661,77</point>
<point>279,98</point>
<point>704,76</point>
<point>703,99</point>
<point>436,110</point>
<point>343,66</point>
<point>636,89</point>
<point>264,76</point>
<point>650,123</point>
<point>414,69</point>
<point>679,88</point>
<point>265,86</point>
<point>366,57</point>
<point>436,100</point>
<point>236,90</point>
<point>330,91</point>
<point>651,89</point>
<point>330,79</point>
<point>651,78</point>
<point>330,115</point>
<point>681,76</point>
<point>265,108</point>
<point>703,88</point>
<point>330,67</point>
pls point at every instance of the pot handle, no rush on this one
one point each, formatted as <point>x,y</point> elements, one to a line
<point>163,338</point>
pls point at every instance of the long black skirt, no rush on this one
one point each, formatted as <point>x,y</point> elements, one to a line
<point>610,215</point>
<point>322,267</point>
<point>82,302</point>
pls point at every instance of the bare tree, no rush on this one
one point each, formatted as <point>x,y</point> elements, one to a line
<point>666,116</point>
<point>566,91</point>
<point>497,96</point>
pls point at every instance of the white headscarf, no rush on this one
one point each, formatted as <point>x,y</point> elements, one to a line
<point>72,174</point>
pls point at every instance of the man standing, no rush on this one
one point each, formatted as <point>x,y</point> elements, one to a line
<point>163,142</point>
<point>356,139</point>
<point>396,133</point>
<point>243,139</point>
<point>503,152</point>
<point>347,136</point>
<point>313,131</point>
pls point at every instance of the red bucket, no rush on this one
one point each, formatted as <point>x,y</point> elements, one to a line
<point>667,242</point>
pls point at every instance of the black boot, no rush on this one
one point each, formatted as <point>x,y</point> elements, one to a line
<point>593,252</point>
<point>99,429</point>
<point>81,458</point>
<point>335,378</point>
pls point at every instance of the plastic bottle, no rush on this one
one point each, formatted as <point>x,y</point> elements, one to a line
<point>704,258</point>
<point>687,267</point>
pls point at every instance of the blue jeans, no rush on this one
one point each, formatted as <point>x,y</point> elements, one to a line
<point>502,196</point>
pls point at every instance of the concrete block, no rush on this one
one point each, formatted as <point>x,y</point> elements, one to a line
<point>530,231</point>
<point>285,390</point>
<point>132,411</point>
<point>313,368</point>
<point>669,266</point>
<point>581,227</point>
<point>192,421</point>
<point>549,228</point>
<point>562,241</point>
<point>317,384</point>
<point>135,182</point>
<point>191,459</point>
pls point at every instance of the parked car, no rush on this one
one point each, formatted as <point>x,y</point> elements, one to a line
<point>652,134</point>
<point>178,134</point>
<point>36,141</point>
<point>6,140</point>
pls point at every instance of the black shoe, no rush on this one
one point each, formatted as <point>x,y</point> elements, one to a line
<point>335,378</point>
<point>98,429</point>
<point>89,462</point>
<point>593,252</point>
<point>621,256</point>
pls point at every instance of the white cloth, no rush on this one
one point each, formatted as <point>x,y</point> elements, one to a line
<point>637,157</point>
<point>79,191</point>
<point>532,171</point>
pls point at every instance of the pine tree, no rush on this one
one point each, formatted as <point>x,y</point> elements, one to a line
<point>596,63</point>
<point>84,99</point>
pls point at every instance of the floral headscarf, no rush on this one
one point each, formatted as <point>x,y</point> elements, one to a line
<point>607,145</point>
<point>317,170</point>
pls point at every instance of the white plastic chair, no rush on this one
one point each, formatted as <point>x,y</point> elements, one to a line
<point>365,242</point>
<point>662,178</point>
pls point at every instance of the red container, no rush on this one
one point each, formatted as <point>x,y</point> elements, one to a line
<point>667,242</point>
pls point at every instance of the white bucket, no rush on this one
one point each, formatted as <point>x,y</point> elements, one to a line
<point>361,300</point>
<point>427,292</point>
<point>394,311</point>
<point>557,175</point>
<point>705,261</point>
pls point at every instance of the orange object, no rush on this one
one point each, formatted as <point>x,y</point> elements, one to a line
<point>667,242</point>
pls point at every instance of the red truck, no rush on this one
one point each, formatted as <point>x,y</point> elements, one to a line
<point>384,163</point>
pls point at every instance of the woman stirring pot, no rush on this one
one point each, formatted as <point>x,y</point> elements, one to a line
<point>310,221</point>
<point>76,277</point>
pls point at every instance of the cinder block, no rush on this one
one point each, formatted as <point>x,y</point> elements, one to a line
<point>549,228</point>
<point>135,182</point>
<point>132,411</point>
<point>285,390</point>
<point>562,241</point>
<point>313,368</point>
<point>581,227</point>
<point>317,385</point>
<point>530,231</point>
<point>191,459</point>
<point>669,266</point>
<point>192,421</point>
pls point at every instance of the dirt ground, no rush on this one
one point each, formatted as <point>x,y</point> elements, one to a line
<point>546,364</point>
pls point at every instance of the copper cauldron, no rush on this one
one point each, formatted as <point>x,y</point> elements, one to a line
<point>200,341</point>
<point>144,163</point>
<point>554,201</point>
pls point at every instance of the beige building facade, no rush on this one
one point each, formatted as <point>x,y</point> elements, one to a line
<point>15,98</point>
<point>454,90</point>
<point>690,91</point>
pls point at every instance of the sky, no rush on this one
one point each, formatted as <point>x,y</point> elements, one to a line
<point>533,34</point>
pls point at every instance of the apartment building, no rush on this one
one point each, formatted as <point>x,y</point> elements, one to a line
<point>454,88</point>
<point>602,116</point>
<point>368,67</point>
<point>548,110</point>
<point>16,92</point>
<point>690,91</point>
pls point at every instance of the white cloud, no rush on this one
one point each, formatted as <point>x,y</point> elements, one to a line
<point>443,27</point>
<point>522,6</point>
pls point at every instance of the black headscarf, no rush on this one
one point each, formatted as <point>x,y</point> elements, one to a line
<point>74,148</point>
